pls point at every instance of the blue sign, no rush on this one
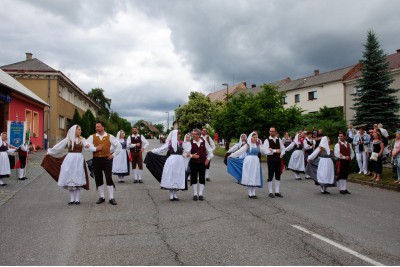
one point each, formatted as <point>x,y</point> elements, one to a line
<point>17,133</point>
<point>5,98</point>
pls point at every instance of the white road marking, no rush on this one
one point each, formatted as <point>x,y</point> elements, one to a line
<point>333,243</point>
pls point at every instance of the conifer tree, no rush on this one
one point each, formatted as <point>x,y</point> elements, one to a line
<point>375,101</point>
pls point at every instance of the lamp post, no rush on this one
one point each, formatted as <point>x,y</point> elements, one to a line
<point>167,120</point>
<point>227,86</point>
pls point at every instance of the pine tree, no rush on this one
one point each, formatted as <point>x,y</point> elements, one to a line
<point>374,100</point>
<point>76,119</point>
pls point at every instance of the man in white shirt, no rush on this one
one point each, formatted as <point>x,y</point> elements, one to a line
<point>136,143</point>
<point>351,133</point>
<point>209,140</point>
<point>275,150</point>
<point>104,147</point>
<point>200,156</point>
<point>344,153</point>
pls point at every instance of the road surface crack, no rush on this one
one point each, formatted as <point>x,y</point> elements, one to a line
<point>161,232</point>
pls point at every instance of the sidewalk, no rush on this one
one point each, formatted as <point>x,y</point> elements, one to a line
<point>34,170</point>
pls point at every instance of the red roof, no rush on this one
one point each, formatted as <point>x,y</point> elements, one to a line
<point>394,63</point>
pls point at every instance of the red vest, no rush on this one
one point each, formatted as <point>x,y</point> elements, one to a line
<point>201,151</point>
<point>344,150</point>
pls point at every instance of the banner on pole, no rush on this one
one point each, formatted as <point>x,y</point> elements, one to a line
<point>16,133</point>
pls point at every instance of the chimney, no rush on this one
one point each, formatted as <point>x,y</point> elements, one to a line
<point>253,85</point>
<point>398,50</point>
<point>28,56</point>
<point>245,84</point>
<point>316,72</point>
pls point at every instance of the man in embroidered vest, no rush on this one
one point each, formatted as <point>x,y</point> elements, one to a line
<point>206,137</point>
<point>200,154</point>
<point>136,144</point>
<point>105,147</point>
<point>275,151</point>
<point>23,159</point>
<point>344,153</point>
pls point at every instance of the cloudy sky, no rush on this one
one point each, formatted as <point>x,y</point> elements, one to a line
<point>149,54</point>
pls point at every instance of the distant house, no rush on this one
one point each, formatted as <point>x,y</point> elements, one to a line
<point>18,103</point>
<point>53,87</point>
<point>220,95</point>
<point>350,82</point>
<point>313,92</point>
<point>146,128</point>
<point>256,89</point>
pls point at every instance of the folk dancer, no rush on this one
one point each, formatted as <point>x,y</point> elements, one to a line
<point>5,149</point>
<point>248,171</point>
<point>309,150</point>
<point>320,167</point>
<point>23,151</point>
<point>236,147</point>
<point>69,171</point>
<point>275,150</point>
<point>136,143</point>
<point>105,148</point>
<point>120,165</point>
<point>205,136</point>
<point>296,162</point>
<point>174,171</point>
<point>187,146</point>
<point>200,155</point>
<point>344,153</point>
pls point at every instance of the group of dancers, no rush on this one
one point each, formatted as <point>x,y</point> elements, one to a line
<point>316,162</point>
<point>5,165</point>
<point>177,162</point>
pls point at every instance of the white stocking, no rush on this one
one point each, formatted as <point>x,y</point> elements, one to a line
<point>296,175</point>
<point>77,195</point>
<point>194,190</point>
<point>249,191</point>
<point>207,173</point>
<point>72,195</point>
<point>110,191</point>
<point>140,174</point>
<point>1,181</point>
<point>171,194</point>
<point>344,182</point>
<point>269,185</point>
<point>277,184</point>
<point>174,191</point>
<point>101,191</point>
<point>201,189</point>
<point>253,191</point>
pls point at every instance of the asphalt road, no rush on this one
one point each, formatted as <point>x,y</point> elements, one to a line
<point>37,227</point>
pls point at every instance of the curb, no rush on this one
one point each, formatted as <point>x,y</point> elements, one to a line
<point>372,184</point>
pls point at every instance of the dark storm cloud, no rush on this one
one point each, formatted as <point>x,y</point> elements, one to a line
<point>269,40</point>
<point>148,55</point>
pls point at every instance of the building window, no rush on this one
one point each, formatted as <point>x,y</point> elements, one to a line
<point>285,100</point>
<point>28,119</point>
<point>312,95</point>
<point>35,124</point>
<point>297,98</point>
<point>357,91</point>
<point>61,122</point>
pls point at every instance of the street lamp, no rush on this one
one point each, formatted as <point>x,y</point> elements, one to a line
<point>167,120</point>
<point>227,86</point>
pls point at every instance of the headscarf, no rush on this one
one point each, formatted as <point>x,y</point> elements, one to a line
<point>173,139</point>
<point>190,137</point>
<point>240,139</point>
<point>296,140</point>
<point>325,144</point>
<point>249,143</point>
<point>71,135</point>
<point>119,134</point>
